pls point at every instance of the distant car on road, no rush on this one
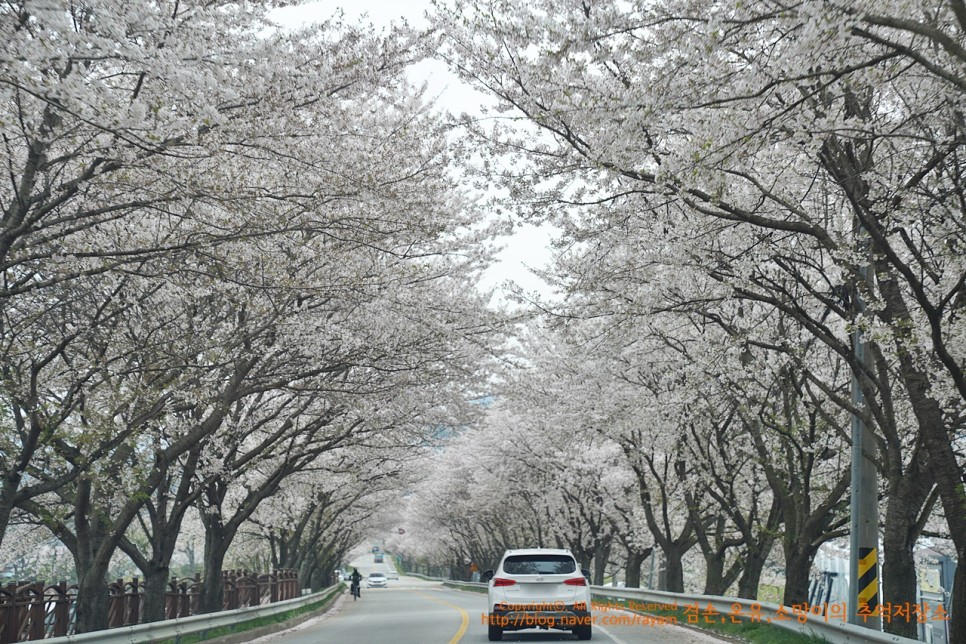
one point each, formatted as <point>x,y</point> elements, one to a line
<point>377,580</point>
<point>538,588</point>
<point>377,559</point>
<point>393,574</point>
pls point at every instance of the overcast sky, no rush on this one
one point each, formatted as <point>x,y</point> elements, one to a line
<point>529,244</point>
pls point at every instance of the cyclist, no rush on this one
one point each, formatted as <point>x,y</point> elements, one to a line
<point>356,587</point>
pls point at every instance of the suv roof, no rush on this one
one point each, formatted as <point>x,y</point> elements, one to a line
<point>542,551</point>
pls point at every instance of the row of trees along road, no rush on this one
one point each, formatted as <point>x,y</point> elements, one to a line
<point>723,173</point>
<point>235,273</point>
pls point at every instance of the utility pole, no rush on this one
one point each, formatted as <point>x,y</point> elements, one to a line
<point>863,604</point>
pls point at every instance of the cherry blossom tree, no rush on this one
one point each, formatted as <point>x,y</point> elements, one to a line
<point>833,125</point>
<point>210,222</point>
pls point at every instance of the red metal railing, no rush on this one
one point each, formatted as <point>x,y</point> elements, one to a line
<point>32,611</point>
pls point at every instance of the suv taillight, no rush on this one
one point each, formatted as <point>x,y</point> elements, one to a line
<point>576,581</point>
<point>501,581</point>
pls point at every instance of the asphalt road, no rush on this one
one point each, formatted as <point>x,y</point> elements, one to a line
<point>413,611</point>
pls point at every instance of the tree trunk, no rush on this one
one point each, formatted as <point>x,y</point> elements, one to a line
<point>305,570</point>
<point>212,597</point>
<point>601,555</point>
<point>798,563</point>
<point>714,577</point>
<point>323,577</point>
<point>935,433</point>
<point>905,507</point>
<point>635,559</point>
<point>93,598</point>
<point>898,570</point>
<point>674,548</point>
<point>95,541</point>
<point>674,570</point>
<point>8,492</point>
<point>950,485</point>
<point>155,569</point>
<point>755,559</point>
<point>155,586</point>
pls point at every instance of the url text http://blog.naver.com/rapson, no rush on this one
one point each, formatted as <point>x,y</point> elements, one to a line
<point>533,616</point>
<point>612,613</point>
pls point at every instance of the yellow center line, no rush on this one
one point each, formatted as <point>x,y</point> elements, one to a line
<point>464,624</point>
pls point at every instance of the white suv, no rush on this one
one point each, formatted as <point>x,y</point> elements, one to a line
<point>538,588</point>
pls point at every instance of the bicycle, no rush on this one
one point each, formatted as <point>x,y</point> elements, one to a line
<point>355,590</point>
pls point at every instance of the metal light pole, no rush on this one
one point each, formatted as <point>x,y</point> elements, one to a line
<point>863,604</point>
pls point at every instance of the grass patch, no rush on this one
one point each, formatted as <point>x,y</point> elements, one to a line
<point>251,624</point>
<point>469,589</point>
<point>748,631</point>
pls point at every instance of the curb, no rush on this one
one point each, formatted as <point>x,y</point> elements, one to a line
<point>271,629</point>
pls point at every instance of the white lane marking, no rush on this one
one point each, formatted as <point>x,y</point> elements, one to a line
<point>610,635</point>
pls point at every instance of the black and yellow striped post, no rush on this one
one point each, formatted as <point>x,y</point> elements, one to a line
<point>868,590</point>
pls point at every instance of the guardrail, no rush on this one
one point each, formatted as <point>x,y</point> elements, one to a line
<point>788,619</point>
<point>174,629</point>
<point>426,577</point>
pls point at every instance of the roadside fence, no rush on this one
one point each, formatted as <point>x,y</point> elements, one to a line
<point>35,610</point>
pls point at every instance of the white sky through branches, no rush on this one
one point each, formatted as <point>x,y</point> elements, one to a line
<point>529,246</point>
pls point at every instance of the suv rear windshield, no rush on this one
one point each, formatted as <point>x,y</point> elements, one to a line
<point>539,565</point>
